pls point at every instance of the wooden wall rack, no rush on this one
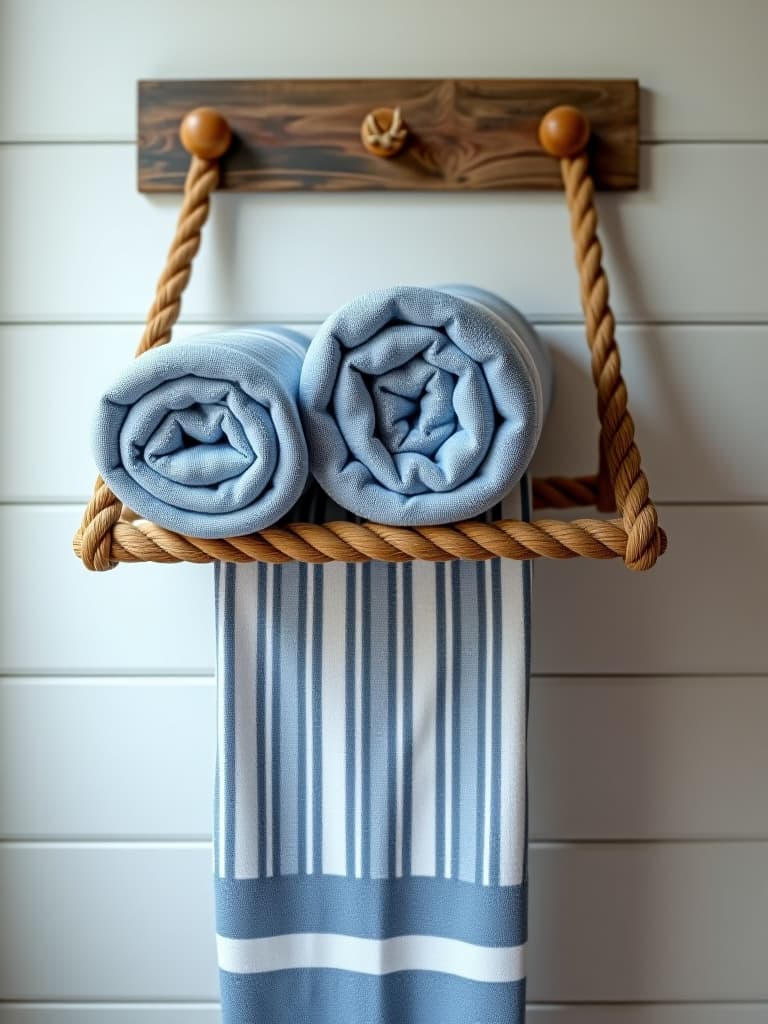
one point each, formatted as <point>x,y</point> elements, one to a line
<point>407,135</point>
<point>305,134</point>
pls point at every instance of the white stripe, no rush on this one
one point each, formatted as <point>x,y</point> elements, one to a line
<point>449,735</point>
<point>399,719</point>
<point>246,791</point>
<point>221,683</point>
<point>334,733</point>
<point>308,715</point>
<point>324,951</point>
<point>266,712</point>
<point>512,815</point>
<point>358,815</point>
<point>448,816</point>
<point>488,726</point>
<point>424,788</point>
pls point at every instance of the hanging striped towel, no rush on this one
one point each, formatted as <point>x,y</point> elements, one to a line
<point>370,808</point>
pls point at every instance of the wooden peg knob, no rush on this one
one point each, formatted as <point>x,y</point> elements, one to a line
<point>205,133</point>
<point>564,131</point>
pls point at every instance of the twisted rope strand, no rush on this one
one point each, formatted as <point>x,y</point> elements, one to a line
<point>142,541</point>
<point>110,533</point>
<point>386,139</point>
<point>202,179</point>
<point>617,432</point>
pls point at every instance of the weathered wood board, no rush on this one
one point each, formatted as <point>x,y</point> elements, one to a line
<point>304,134</point>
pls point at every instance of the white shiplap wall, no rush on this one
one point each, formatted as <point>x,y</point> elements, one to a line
<point>650,703</point>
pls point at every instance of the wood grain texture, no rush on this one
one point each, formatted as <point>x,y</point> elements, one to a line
<point>464,134</point>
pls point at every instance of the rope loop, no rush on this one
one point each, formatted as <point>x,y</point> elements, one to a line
<point>110,533</point>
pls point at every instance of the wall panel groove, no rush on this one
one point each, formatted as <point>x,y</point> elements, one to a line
<point>667,741</point>
<point>608,923</point>
<point>665,258</point>
<point>675,377</point>
<point>690,614</point>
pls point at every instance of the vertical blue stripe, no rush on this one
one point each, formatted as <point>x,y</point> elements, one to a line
<point>456,633</point>
<point>440,674</point>
<point>407,714</point>
<point>301,717</point>
<point>317,719</point>
<point>350,652</point>
<point>261,711</point>
<point>392,659</point>
<point>365,715</point>
<point>481,570</point>
<point>289,706</point>
<point>380,781</point>
<point>229,720</point>
<point>277,682</point>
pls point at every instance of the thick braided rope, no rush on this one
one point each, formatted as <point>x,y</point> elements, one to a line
<point>110,534</point>
<point>202,179</point>
<point>94,538</point>
<point>142,541</point>
<point>617,438</point>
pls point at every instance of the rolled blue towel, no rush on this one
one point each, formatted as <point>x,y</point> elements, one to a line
<point>423,405</point>
<point>203,436</point>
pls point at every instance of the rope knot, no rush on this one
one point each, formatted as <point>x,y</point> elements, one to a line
<point>93,541</point>
<point>384,132</point>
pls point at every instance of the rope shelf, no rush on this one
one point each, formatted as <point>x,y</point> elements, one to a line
<point>110,533</point>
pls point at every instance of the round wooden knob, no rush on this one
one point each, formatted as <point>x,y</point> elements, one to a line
<point>205,133</point>
<point>564,131</point>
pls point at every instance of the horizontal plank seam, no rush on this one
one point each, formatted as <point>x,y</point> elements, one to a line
<point>55,1004</point>
<point>652,1003</point>
<point>197,675</point>
<point>101,1004</point>
<point>187,845</point>
<point>196,841</point>
<point>86,674</point>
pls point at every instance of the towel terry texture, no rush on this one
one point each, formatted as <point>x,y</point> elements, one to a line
<point>423,405</point>
<point>203,436</point>
<point>370,795</point>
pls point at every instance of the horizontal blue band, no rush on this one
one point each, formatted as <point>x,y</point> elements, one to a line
<point>376,908</point>
<point>316,997</point>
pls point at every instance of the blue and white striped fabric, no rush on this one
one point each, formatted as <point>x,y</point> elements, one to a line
<point>370,807</point>
<point>203,436</point>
